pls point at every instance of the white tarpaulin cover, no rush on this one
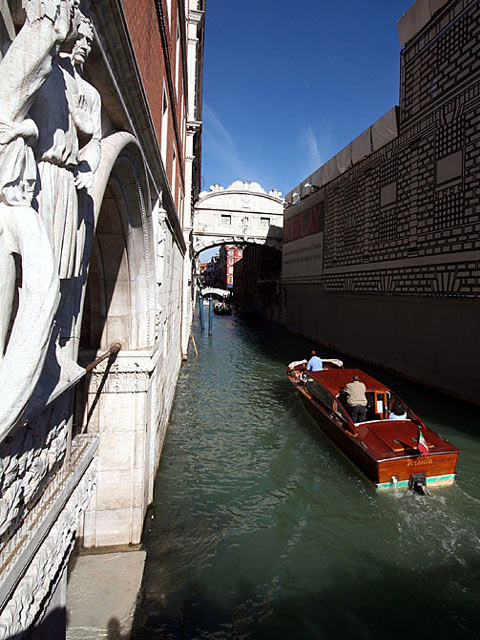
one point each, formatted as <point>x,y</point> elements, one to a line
<point>317,178</point>
<point>416,18</point>
<point>361,146</point>
<point>378,135</point>
<point>306,190</point>
<point>344,159</point>
<point>290,197</point>
<point>385,129</point>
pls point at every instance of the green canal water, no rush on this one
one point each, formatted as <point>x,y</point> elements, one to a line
<point>260,529</point>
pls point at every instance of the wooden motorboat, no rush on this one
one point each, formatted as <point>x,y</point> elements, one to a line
<point>390,450</point>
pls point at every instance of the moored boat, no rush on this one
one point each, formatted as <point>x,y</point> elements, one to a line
<point>392,448</point>
<point>222,309</point>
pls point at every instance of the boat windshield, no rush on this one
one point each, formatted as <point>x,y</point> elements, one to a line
<point>325,397</point>
<point>321,393</point>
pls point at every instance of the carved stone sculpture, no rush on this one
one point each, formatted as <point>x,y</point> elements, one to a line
<point>67,108</point>
<point>67,112</point>
<point>24,70</point>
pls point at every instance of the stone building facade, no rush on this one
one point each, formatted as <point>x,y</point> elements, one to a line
<point>228,256</point>
<point>382,244</point>
<point>257,283</point>
<point>100,109</point>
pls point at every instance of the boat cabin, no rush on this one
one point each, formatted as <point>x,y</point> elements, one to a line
<point>327,386</point>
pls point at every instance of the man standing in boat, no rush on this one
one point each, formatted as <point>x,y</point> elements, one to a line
<point>356,399</point>
<point>315,363</point>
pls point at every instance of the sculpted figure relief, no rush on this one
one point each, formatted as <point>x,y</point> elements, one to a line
<point>67,109</point>
<point>24,70</point>
<point>67,112</point>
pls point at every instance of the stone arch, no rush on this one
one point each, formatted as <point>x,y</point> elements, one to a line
<point>202,243</point>
<point>119,296</point>
<point>118,306</point>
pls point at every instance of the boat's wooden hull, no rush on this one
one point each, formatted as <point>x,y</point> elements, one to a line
<point>439,468</point>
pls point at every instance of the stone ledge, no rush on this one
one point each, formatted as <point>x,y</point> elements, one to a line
<point>102,594</point>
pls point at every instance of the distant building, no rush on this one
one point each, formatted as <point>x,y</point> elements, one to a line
<point>202,271</point>
<point>229,255</point>
<point>257,282</point>
<point>210,272</point>
<point>382,243</point>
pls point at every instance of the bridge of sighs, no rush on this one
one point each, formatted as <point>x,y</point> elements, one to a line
<point>239,214</point>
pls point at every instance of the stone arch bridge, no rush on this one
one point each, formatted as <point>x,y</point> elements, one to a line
<point>240,214</point>
<point>215,291</point>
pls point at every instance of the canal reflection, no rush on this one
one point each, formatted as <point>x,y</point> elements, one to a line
<point>262,530</point>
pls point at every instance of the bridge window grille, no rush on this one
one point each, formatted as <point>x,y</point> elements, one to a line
<point>226,220</point>
<point>264,222</point>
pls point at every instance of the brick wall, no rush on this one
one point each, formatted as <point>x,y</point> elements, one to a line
<point>154,41</point>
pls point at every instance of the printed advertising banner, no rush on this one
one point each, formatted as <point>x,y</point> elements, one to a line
<point>303,244</point>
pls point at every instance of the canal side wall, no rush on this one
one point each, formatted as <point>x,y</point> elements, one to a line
<point>429,340</point>
<point>381,254</point>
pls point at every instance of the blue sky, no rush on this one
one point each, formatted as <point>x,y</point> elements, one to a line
<point>288,84</point>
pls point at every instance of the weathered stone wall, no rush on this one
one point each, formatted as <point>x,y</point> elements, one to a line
<point>391,272</point>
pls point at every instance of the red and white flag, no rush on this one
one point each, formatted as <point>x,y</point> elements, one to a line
<point>422,444</point>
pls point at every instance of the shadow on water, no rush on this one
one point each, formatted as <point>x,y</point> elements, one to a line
<point>389,605</point>
<point>283,347</point>
<point>261,530</point>
<point>54,627</point>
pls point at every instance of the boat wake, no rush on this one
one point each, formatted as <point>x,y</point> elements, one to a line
<point>437,528</point>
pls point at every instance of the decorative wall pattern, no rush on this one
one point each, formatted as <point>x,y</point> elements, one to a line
<point>413,207</point>
<point>52,529</point>
<point>405,220</point>
<point>29,459</point>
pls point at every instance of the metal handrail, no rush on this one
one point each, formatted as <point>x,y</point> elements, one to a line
<point>114,349</point>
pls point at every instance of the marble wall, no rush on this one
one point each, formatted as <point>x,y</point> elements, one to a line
<point>95,264</point>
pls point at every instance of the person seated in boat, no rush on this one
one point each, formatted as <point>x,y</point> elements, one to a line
<point>355,392</point>
<point>315,363</point>
<point>397,412</point>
